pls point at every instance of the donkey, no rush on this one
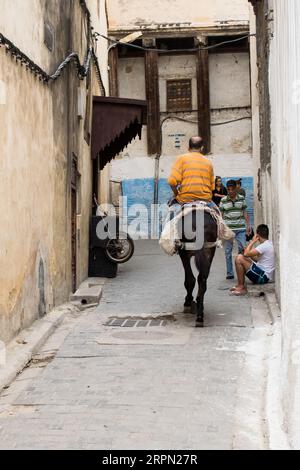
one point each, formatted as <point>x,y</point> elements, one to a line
<point>203,259</point>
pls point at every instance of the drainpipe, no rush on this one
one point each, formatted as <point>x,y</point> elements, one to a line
<point>157,160</point>
<point>155,200</point>
<point>156,176</point>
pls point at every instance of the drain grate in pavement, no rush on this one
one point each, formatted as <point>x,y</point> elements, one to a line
<point>135,323</point>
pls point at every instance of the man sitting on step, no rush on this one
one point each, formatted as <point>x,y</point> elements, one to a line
<point>257,263</point>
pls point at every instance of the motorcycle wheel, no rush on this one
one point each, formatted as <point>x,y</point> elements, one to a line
<point>120,250</point>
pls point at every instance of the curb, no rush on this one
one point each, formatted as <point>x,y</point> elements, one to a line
<point>273,308</point>
<point>278,439</point>
<point>20,350</point>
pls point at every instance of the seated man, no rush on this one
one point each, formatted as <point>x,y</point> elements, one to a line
<point>233,207</point>
<point>258,264</point>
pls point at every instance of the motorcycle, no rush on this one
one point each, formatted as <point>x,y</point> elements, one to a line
<point>118,247</point>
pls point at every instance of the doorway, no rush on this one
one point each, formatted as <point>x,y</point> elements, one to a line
<point>74,174</point>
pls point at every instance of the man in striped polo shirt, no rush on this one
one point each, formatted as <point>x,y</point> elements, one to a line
<point>192,177</point>
<point>233,207</point>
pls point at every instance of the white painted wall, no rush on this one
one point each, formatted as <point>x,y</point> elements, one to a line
<point>132,78</point>
<point>230,88</point>
<point>136,12</point>
<point>234,137</point>
<point>285,122</point>
<point>229,80</point>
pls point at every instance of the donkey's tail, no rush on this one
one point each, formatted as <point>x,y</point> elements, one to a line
<point>199,259</point>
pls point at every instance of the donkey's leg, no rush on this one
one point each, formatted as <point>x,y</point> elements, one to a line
<point>202,286</point>
<point>203,261</point>
<point>190,281</point>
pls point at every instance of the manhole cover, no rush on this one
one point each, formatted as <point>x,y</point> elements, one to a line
<point>144,330</point>
<point>135,323</point>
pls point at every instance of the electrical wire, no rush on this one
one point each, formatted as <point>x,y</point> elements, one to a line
<point>168,51</point>
<point>212,124</point>
<point>229,122</point>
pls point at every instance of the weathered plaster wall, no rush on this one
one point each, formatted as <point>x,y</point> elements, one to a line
<point>28,183</point>
<point>229,82</point>
<point>227,72</point>
<point>132,76</point>
<point>231,144</point>
<point>26,208</point>
<point>230,100</point>
<point>137,12</point>
<point>39,132</point>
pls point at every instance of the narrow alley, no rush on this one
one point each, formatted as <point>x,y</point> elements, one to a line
<point>157,385</point>
<point>114,117</point>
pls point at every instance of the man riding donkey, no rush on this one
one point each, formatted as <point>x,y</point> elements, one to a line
<point>192,177</point>
<point>192,181</point>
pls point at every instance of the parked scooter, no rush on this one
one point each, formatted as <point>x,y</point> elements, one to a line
<point>119,246</point>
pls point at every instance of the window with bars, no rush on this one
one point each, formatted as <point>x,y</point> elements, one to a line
<point>179,95</point>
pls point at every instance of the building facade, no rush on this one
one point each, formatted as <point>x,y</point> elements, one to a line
<point>46,170</point>
<point>193,67</point>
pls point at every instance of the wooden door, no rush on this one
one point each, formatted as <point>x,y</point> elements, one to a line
<point>74,222</point>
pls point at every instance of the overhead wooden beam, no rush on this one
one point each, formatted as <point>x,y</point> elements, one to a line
<point>113,60</point>
<point>204,120</point>
<point>152,95</point>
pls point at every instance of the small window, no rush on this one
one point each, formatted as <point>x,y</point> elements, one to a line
<point>179,95</point>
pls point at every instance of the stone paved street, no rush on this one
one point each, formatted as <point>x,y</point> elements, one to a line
<point>157,387</point>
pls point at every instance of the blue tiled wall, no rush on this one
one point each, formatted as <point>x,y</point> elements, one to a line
<point>141,191</point>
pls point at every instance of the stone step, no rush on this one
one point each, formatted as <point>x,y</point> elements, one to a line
<point>92,281</point>
<point>87,295</point>
<point>260,290</point>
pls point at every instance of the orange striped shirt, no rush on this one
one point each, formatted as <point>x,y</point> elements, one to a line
<point>193,174</point>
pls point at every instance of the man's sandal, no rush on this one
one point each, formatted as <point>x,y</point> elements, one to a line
<point>238,293</point>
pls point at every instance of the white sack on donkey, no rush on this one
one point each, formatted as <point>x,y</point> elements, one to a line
<point>170,239</point>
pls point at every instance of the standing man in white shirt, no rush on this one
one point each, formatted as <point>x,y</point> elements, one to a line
<point>258,263</point>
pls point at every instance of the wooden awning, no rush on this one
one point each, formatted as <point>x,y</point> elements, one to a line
<point>116,122</point>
